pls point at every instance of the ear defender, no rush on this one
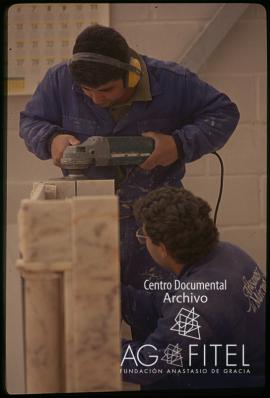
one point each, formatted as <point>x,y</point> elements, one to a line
<point>132,77</point>
<point>133,68</point>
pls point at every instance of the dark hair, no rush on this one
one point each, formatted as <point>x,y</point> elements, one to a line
<point>101,40</point>
<point>179,220</point>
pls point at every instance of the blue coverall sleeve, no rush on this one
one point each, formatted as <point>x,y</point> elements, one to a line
<point>41,118</point>
<point>212,118</point>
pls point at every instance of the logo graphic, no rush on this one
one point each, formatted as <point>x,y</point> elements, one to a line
<point>186,324</point>
<point>172,355</point>
<point>254,289</point>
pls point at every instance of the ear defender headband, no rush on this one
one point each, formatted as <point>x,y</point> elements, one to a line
<point>134,66</point>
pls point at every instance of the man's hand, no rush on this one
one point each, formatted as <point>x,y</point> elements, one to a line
<point>165,151</point>
<point>59,144</point>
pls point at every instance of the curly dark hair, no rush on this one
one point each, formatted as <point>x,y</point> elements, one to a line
<point>179,220</point>
<point>101,40</point>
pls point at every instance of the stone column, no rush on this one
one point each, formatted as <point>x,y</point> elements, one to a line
<point>96,295</point>
<point>70,267</point>
<point>44,323</point>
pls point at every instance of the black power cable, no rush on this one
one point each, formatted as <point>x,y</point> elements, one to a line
<point>221,184</point>
<point>220,187</point>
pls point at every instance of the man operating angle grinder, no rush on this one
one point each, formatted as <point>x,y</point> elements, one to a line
<point>110,91</point>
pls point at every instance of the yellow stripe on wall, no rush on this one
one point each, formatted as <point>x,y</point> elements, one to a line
<point>16,85</point>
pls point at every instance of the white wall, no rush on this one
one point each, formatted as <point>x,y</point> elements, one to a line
<point>237,67</point>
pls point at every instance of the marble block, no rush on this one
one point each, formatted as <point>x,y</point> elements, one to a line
<point>96,287</point>
<point>64,188</point>
<point>42,190</point>
<point>95,187</point>
<point>38,191</point>
<point>45,231</point>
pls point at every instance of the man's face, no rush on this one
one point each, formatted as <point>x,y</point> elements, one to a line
<point>107,94</point>
<point>157,252</point>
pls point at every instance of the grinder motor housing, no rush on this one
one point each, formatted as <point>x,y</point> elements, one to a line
<point>107,151</point>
